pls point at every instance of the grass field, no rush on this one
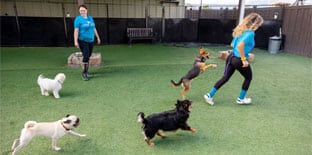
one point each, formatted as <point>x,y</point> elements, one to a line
<point>135,79</point>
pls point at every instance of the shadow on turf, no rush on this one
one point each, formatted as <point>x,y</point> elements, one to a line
<point>178,140</point>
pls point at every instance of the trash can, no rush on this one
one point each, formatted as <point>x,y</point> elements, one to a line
<point>274,44</point>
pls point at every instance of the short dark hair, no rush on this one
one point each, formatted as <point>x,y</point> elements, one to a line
<point>82,6</point>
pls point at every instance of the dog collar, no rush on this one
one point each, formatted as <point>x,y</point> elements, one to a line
<point>65,127</point>
<point>199,59</point>
<point>59,81</point>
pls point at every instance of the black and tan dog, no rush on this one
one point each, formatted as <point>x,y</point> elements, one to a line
<point>199,67</point>
<point>167,121</point>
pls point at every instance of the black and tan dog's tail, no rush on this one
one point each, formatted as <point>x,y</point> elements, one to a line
<point>176,84</point>
<point>141,118</point>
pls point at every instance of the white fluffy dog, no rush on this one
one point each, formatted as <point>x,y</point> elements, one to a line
<point>53,130</point>
<point>54,85</point>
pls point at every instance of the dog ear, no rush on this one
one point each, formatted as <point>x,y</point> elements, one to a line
<point>178,102</point>
<point>67,115</point>
<point>202,51</point>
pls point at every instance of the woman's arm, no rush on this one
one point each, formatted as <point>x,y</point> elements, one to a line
<point>76,31</point>
<point>97,36</point>
<point>241,46</point>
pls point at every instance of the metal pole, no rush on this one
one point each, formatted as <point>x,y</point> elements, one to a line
<point>146,16</point>
<point>107,23</point>
<point>163,22</point>
<point>241,11</point>
<point>65,24</point>
<point>17,24</point>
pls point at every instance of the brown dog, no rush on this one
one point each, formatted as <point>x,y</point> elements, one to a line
<point>199,67</point>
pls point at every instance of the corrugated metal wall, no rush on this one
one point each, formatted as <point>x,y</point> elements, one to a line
<point>96,8</point>
<point>296,23</point>
<point>297,27</point>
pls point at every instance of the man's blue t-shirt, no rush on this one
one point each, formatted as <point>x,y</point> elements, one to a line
<point>248,38</point>
<point>86,28</point>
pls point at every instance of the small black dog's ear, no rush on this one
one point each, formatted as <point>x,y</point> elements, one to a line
<point>178,103</point>
<point>67,115</point>
<point>141,113</point>
<point>67,121</point>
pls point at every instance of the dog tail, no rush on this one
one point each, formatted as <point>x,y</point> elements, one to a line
<point>176,84</point>
<point>40,76</point>
<point>141,118</point>
<point>30,124</point>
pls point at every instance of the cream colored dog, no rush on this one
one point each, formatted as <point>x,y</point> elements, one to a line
<point>54,85</point>
<point>54,130</point>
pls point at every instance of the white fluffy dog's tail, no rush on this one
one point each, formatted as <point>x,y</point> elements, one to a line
<point>30,124</point>
<point>40,77</point>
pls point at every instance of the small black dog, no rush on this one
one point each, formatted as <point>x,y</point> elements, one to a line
<point>167,121</point>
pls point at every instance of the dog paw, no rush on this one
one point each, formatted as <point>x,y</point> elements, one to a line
<point>151,144</point>
<point>214,65</point>
<point>83,135</point>
<point>193,130</point>
<point>57,148</point>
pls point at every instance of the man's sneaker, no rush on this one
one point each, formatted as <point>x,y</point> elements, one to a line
<point>243,101</point>
<point>208,99</point>
<point>85,77</point>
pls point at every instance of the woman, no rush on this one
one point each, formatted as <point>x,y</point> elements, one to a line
<point>243,42</point>
<point>84,37</point>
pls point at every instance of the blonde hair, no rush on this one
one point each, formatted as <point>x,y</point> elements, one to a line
<point>252,21</point>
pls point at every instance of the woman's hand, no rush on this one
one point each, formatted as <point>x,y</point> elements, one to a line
<point>76,44</point>
<point>98,41</point>
<point>245,63</point>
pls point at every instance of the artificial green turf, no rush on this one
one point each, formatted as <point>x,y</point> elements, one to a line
<point>136,78</point>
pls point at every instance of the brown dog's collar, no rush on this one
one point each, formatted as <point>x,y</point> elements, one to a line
<point>65,127</point>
